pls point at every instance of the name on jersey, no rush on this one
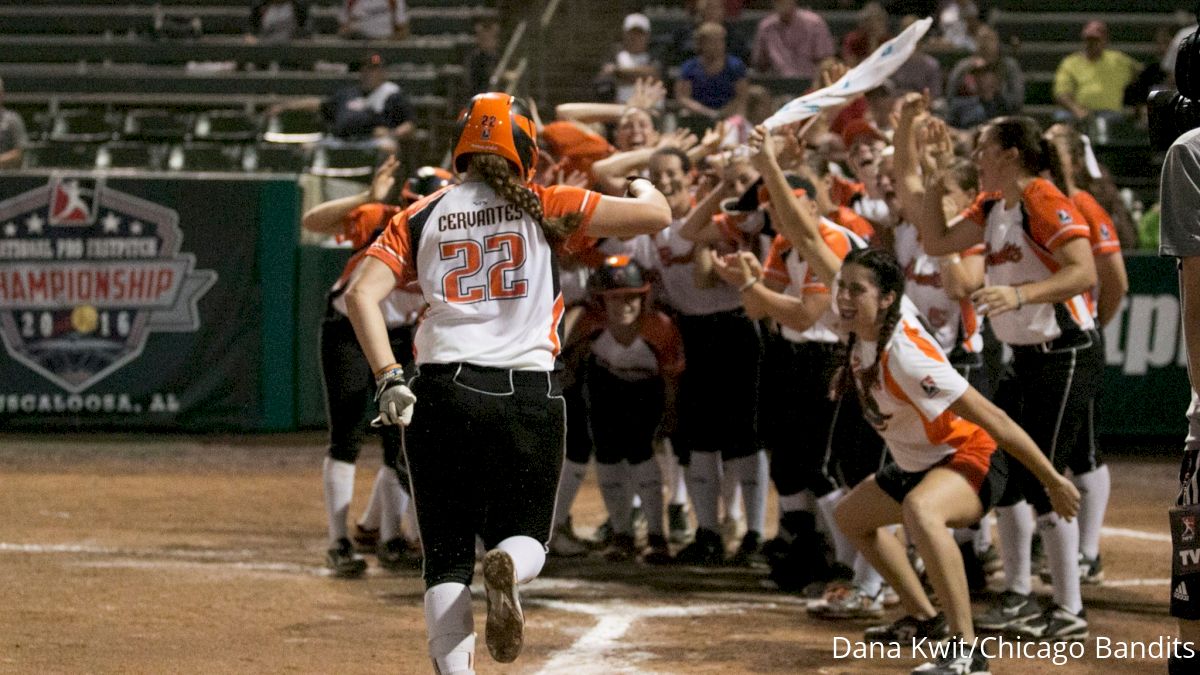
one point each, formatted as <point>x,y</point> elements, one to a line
<point>461,220</point>
<point>1011,253</point>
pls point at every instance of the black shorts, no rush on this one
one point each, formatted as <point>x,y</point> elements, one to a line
<point>1050,395</point>
<point>718,390</point>
<point>484,452</point>
<point>796,417</point>
<point>986,471</point>
<point>625,415</point>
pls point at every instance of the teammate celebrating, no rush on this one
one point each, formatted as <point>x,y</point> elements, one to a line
<point>486,448</point>
<point>359,219</point>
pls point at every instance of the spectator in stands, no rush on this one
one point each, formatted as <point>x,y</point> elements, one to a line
<point>713,83</point>
<point>632,62</point>
<point>791,42</point>
<point>682,43</point>
<point>12,136</point>
<point>958,21</point>
<point>375,112</point>
<point>1093,80</point>
<point>278,20</point>
<point>984,85</point>
<point>921,72</point>
<point>871,32</point>
<point>485,56</point>
<point>373,20</point>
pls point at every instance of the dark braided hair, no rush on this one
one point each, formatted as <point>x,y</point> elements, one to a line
<point>889,278</point>
<point>498,174</point>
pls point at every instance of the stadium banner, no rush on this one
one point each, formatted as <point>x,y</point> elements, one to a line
<point>1145,384</point>
<point>155,302</point>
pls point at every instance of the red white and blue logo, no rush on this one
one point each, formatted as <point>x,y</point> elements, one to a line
<point>86,274</point>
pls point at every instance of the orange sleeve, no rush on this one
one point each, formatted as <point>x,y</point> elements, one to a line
<point>850,220</point>
<point>844,190</point>
<point>559,200</point>
<point>360,225</point>
<point>1053,219</point>
<point>1100,225</point>
<point>665,341</point>
<point>977,211</point>
<point>837,242</point>
<point>776,267</point>
<point>394,249</point>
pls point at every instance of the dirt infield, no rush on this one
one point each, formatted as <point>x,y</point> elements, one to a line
<point>154,555</point>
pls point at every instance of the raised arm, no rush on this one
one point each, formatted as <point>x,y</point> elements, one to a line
<point>645,212</point>
<point>326,217</point>
<point>742,271</point>
<point>698,226</point>
<point>800,227</point>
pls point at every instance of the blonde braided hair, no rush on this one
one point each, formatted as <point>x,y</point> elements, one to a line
<point>497,173</point>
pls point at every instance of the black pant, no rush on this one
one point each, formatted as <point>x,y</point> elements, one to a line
<point>796,416</point>
<point>484,451</point>
<point>625,416</point>
<point>350,391</point>
<point>717,391</point>
<point>1050,394</point>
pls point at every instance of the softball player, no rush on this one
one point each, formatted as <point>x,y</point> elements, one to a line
<point>359,219</point>
<point>1039,269</point>
<point>1088,470</point>
<point>945,469</point>
<point>632,357</point>
<point>485,448</point>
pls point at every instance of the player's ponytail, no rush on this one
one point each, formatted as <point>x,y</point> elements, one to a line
<point>497,173</point>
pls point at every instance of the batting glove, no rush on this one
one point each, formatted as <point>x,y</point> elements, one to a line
<point>394,397</point>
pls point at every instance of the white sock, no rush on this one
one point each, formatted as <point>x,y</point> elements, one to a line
<point>568,487</point>
<point>339,489</point>
<point>1014,528</point>
<point>843,548</point>
<point>731,494</point>
<point>647,483</point>
<point>866,579</point>
<point>1060,538</point>
<point>614,487</point>
<point>704,484</point>
<point>394,501</point>
<point>1094,488</point>
<point>983,535</point>
<point>372,516</point>
<point>528,555</point>
<point>672,474</point>
<point>450,628</point>
<point>751,473</point>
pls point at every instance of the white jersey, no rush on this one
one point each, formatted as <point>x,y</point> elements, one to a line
<point>954,322</point>
<point>1021,240</point>
<point>632,362</point>
<point>487,273</point>
<point>909,405</point>
<point>675,261</point>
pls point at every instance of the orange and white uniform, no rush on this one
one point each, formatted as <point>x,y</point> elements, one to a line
<point>955,323</point>
<point>1020,241</point>
<point>790,270</point>
<point>360,227</point>
<point>1102,232</point>
<point>487,273</point>
<point>909,406</point>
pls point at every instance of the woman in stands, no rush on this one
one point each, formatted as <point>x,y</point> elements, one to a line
<point>485,450</point>
<point>1039,269</point>
<point>349,385</point>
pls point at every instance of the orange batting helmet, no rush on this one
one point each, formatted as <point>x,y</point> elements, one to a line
<point>497,124</point>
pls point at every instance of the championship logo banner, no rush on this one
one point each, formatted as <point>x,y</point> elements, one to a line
<point>87,273</point>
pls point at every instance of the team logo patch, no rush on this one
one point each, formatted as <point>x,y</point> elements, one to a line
<point>1189,528</point>
<point>1105,233</point>
<point>929,386</point>
<point>1064,217</point>
<point>86,274</point>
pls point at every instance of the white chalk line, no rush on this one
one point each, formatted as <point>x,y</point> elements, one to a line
<point>1134,534</point>
<point>601,650</point>
<point>1120,583</point>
